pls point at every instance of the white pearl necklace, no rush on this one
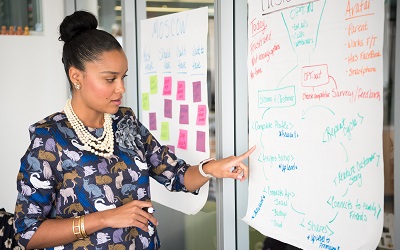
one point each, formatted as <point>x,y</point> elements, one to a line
<point>102,146</point>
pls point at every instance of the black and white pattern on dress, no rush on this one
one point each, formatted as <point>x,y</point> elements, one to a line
<point>7,240</point>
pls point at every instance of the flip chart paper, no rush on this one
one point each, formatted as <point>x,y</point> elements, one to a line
<point>315,79</point>
<point>173,61</point>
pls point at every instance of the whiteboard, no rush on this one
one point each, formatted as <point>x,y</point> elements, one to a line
<point>173,59</point>
<point>315,80</point>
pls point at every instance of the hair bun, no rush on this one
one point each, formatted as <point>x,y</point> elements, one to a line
<point>75,24</point>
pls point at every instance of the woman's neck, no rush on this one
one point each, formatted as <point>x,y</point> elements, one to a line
<point>89,118</point>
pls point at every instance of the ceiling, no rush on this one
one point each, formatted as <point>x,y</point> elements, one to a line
<point>157,8</point>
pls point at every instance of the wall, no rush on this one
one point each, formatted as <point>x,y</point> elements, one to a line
<point>33,85</point>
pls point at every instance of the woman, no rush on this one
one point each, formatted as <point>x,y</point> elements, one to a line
<point>84,180</point>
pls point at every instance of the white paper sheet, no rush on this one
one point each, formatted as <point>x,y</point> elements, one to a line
<point>315,75</point>
<point>173,61</point>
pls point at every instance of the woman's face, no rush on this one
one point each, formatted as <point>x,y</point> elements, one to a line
<point>102,84</point>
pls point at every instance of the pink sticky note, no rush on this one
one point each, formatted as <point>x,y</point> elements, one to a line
<point>152,121</point>
<point>168,108</point>
<point>201,115</point>
<point>184,114</point>
<point>182,141</point>
<point>201,141</point>
<point>197,91</point>
<point>180,91</point>
<point>171,148</point>
<point>167,85</point>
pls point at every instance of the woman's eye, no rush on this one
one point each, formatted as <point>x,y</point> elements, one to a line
<point>110,79</point>
<point>123,77</point>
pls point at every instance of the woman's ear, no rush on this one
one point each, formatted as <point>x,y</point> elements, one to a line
<point>75,75</point>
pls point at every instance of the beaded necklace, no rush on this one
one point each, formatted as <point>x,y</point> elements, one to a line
<point>102,146</point>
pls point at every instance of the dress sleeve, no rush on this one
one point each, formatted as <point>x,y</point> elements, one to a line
<point>36,184</point>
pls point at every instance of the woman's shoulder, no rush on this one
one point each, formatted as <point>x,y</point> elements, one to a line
<point>124,111</point>
<point>49,121</point>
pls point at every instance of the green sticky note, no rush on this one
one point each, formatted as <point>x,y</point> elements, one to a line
<point>153,85</point>
<point>164,131</point>
<point>145,101</point>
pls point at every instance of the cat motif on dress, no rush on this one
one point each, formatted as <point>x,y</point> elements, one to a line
<point>93,190</point>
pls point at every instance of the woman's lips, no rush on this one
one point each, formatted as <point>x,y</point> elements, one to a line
<point>117,102</point>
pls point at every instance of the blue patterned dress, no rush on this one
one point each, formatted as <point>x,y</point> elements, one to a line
<point>57,179</point>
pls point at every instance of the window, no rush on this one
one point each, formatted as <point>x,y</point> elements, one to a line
<point>19,17</point>
<point>190,231</point>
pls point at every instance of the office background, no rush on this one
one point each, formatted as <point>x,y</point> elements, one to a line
<point>34,85</point>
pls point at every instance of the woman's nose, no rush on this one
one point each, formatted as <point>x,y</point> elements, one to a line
<point>120,88</point>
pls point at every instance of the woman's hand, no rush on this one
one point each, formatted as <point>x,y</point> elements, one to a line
<point>131,214</point>
<point>229,167</point>
<point>55,232</point>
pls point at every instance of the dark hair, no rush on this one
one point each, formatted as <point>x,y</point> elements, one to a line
<point>83,42</point>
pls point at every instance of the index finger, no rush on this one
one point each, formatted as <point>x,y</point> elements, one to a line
<point>247,154</point>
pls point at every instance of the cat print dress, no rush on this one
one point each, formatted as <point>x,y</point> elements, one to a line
<point>58,179</point>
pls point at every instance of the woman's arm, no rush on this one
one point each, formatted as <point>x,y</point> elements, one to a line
<point>230,167</point>
<point>57,232</point>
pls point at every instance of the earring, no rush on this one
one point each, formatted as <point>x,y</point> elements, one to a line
<point>77,86</point>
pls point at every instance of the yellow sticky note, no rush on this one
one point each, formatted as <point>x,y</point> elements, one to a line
<point>153,85</point>
<point>145,101</point>
<point>164,131</point>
